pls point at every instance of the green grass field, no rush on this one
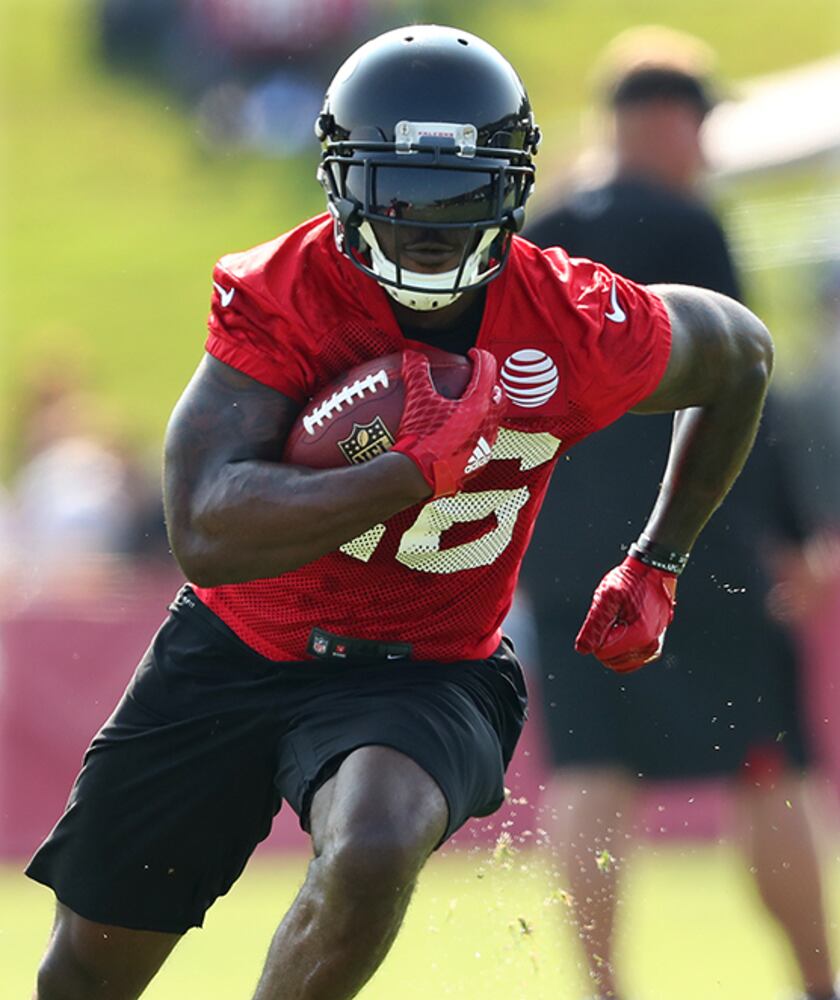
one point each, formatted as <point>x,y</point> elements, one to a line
<point>691,929</point>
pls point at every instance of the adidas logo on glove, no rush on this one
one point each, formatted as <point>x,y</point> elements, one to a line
<point>479,457</point>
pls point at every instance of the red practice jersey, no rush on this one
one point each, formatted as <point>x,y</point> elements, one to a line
<point>577,346</point>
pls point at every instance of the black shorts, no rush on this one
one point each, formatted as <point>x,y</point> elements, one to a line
<point>183,780</point>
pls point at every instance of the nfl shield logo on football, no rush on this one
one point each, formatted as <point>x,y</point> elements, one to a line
<point>366,441</point>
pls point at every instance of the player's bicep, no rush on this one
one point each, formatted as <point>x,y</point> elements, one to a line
<point>223,416</point>
<point>714,340</point>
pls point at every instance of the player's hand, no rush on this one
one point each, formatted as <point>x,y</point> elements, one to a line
<point>631,609</point>
<point>449,439</point>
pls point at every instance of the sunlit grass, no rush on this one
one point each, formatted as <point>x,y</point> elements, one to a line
<point>481,926</point>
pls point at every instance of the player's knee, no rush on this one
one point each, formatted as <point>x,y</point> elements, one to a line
<point>64,977</point>
<point>81,963</point>
<point>374,861</point>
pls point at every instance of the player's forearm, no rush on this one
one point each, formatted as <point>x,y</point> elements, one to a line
<point>708,449</point>
<point>260,519</point>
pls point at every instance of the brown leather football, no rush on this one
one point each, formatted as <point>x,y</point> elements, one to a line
<point>357,416</point>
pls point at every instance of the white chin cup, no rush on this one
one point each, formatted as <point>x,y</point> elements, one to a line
<point>428,291</point>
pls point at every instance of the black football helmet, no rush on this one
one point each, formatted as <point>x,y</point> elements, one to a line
<point>427,127</point>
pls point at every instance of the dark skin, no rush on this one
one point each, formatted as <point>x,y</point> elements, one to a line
<point>717,377</point>
<point>235,513</point>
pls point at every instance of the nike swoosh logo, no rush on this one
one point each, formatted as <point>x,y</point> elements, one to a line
<point>616,313</point>
<point>225,294</point>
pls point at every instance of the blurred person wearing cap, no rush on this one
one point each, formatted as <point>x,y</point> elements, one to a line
<point>723,702</point>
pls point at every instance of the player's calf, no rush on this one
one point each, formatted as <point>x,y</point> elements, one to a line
<point>342,923</point>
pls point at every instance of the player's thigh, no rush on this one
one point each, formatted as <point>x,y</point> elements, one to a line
<point>92,959</point>
<point>379,800</point>
<point>456,725</point>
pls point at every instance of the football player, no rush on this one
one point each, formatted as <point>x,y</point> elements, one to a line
<point>339,643</point>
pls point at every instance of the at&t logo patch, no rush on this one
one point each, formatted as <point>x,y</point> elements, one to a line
<point>529,378</point>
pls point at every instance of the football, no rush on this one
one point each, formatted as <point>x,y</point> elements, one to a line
<point>356,417</point>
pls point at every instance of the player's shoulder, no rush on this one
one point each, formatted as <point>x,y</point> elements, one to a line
<point>553,279</point>
<point>270,270</point>
<point>575,342</point>
<point>579,303</point>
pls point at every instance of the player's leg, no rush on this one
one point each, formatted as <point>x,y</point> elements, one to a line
<point>779,844</point>
<point>174,793</point>
<point>373,826</point>
<point>90,961</point>
<point>386,762</point>
<point>588,811</point>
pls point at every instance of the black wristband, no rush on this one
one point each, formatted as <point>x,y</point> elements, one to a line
<point>651,553</point>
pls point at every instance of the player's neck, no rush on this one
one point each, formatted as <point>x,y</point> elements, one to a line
<point>436,320</point>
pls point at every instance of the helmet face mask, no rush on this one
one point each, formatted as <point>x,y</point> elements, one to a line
<point>388,177</point>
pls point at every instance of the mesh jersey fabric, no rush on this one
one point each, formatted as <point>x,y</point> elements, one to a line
<point>294,314</point>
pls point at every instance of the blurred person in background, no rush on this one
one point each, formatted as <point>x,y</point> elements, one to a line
<point>80,496</point>
<point>254,71</point>
<point>724,701</point>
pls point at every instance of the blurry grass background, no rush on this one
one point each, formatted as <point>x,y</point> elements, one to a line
<point>690,929</point>
<point>113,214</point>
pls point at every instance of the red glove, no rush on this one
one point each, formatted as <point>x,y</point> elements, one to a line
<point>449,438</point>
<point>631,609</point>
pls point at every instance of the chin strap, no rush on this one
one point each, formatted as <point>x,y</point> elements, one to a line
<point>428,291</point>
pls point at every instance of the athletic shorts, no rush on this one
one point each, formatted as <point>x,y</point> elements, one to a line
<point>184,779</point>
